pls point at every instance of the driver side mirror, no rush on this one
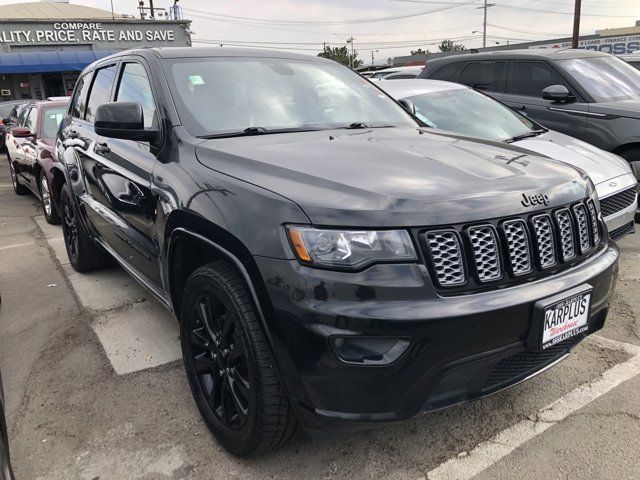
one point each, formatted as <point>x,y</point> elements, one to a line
<point>408,105</point>
<point>6,120</point>
<point>22,132</point>
<point>123,120</point>
<point>557,93</point>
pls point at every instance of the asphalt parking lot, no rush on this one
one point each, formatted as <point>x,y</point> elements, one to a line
<point>95,389</point>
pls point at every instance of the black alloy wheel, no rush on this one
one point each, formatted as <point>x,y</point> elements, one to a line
<point>229,364</point>
<point>220,358</point>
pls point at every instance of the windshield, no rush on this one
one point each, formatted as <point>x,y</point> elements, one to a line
<point>606,79</point>
<point>51,118</point>
<point>227,95</point>
<point>470,113</point>
<point>5,109</point>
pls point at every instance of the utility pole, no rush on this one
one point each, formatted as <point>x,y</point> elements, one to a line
<point>484,23</point>
<point>372,57</point>
<point>351,59</point>
<point>576,24</point>
<point>153,15</point>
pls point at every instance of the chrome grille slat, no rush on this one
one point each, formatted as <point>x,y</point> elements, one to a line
<point>593,216</point>
<point>545,243</point>
<point>486,256</point>
<point>583,227</point>
<point>518,245</point>
<point>446,254</point>
<point>567,240</point>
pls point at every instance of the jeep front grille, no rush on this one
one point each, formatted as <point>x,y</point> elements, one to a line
<point>618,201</point>
<point>545,243</point>
<point>583,228</point>
<point>567,240</point>
<point>484,242</point>
<point>517,237</point>
<point>446,254</point>
<point>513,249</point>
<point>593,217</point>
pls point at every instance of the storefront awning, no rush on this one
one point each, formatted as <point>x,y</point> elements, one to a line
<point>43,62</point>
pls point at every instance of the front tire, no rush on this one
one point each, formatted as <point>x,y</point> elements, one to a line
<point>18,188</point>
<point>84,254</point>
<point>48,205</point>
<point>229,364</point>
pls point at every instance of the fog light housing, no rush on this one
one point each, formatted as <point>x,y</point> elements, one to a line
<point>369,350</point>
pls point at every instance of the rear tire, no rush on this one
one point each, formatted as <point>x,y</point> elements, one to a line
<point>17,186</point>
<point>229,364</point>
<point>84,254</point>
<point>48,205</point>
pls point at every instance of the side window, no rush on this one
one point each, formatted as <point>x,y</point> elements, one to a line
<point>79,101</point>
<point>100,90</point>
<point>135,87</point>
<point>530,78</point>
<point>483,75</point>
<point>22,116</point>
<point>32,120</point>
<point>449,72</point>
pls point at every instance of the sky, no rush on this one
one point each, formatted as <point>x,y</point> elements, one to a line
<point>304,25</point>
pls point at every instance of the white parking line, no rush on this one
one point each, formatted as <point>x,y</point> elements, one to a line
<point>17,245</point>
<point>467,465</point>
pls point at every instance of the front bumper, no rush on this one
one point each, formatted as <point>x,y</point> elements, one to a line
<point>462,347</point>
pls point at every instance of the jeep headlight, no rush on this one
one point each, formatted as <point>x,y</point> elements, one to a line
<point>353,249</point>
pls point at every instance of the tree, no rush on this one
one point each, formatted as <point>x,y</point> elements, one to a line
<point>420,51</point>
<point>449,46</point>
<point>341,55</point>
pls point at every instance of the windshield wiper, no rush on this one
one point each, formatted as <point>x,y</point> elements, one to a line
<point>251,131</point>
<point>362,125</point>
<point>533,133</point>
<point>356,125</point>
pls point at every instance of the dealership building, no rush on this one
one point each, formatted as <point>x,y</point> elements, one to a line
<point>616,41</point>
<point>44,45</point>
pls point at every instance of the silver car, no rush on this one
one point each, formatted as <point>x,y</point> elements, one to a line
<point>460,109</point>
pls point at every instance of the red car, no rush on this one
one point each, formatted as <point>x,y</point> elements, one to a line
<point>30,145</point>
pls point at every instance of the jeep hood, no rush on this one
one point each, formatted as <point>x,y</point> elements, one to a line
<point>394,176</point>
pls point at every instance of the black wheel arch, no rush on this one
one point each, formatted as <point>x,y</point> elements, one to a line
<point>207,242</point>
<point>186,229</point>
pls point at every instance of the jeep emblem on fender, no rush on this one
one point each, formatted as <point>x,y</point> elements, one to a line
<point>531,200</point>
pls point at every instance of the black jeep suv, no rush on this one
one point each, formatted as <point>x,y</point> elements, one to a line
<point>331,261</point>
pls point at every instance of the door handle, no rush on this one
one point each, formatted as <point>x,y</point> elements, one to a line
<point>102,148</point>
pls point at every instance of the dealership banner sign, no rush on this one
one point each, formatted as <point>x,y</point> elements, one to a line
<point>614,45</point>
<point>123,34</point>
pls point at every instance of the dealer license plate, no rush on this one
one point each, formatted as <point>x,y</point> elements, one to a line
<point>565,319</point>
<point>560,317</point>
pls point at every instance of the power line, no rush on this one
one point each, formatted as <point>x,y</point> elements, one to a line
<point>328,22</point>
<point>315,32</point>
<point>513,7</point>
<point>529,32</point>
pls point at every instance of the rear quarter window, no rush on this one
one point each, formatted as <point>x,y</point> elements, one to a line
<point>483,75</point>
<point>449,72</point>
